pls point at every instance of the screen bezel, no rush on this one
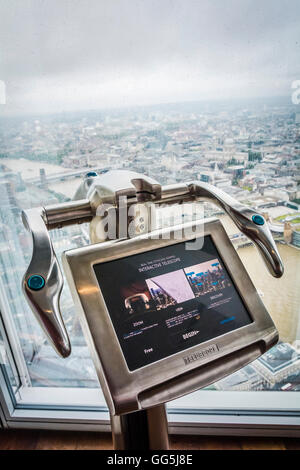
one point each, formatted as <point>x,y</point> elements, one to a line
<point>119,384</point>
<point>155,253</point>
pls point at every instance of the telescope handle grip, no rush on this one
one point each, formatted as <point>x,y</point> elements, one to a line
<point>248,221</point>
<point>43,282</point>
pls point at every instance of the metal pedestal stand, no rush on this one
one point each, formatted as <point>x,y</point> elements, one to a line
<point>141,430</point>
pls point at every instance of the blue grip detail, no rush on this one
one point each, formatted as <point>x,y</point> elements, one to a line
<point>36,282</point>
<point>258,219</point>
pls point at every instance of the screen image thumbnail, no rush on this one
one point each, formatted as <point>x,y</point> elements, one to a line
<point>136,298</point>
<point>207,277</point>
<point>169,289</point>
<point>137,303</point>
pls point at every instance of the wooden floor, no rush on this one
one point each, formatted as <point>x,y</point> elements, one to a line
<point>54,440</point>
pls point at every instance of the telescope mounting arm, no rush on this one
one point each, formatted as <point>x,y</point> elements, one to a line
<point>43,281</point>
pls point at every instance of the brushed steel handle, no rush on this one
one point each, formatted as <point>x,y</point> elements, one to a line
<point>248,221</point>
<point>43,282</point>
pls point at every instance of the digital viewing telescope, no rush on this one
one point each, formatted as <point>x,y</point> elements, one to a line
<point>160,320</point>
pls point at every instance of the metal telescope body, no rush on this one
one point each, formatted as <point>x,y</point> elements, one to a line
<point>43,280</point>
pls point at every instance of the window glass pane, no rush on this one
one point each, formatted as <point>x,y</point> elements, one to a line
<point>44,367</point>
<point>79,89</point>
<point>27,183</point>
<point>278,369</point>
<point>7,365</point>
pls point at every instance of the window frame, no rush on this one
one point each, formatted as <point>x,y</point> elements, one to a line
<point>183,419</point>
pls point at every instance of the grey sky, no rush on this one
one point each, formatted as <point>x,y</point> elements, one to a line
<point>72,54</point>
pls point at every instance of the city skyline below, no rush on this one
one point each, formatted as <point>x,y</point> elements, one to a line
<point>280,100</point>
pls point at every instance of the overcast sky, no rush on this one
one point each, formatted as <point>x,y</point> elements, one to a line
<point>60,55</point>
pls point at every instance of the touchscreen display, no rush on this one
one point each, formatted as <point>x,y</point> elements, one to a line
<point>169,299</point>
